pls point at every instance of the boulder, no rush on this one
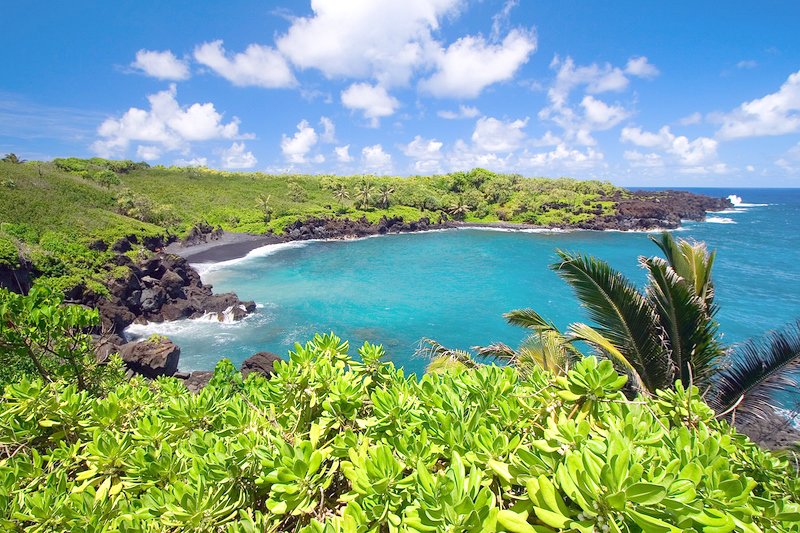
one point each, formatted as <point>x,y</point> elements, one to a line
<point>152,299</point>
<point>152,357</point>
<point>261,362</point>
<point>198,380</point>
<point>114,318</point>
<point>172,283</point>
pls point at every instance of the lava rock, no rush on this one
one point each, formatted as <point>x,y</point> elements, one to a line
<point>261,362</point>
<point>151,358</point>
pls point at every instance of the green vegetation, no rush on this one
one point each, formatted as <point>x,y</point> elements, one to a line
<point>657,336</point>
<point>332,444</point>
<point>56,212</point>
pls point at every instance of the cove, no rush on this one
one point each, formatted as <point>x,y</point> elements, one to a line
<point>455,285</point>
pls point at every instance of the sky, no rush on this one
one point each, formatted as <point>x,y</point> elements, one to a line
<point>680,93</point>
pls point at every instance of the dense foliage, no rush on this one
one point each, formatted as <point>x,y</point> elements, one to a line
<point>333,444</point>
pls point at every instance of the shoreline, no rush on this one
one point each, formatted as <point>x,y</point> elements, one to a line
<point>232,246</point>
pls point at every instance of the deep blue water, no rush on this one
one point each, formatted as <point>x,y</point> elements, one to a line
<point>454,286</point>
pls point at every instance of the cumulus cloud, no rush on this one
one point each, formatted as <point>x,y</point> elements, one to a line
<point>376,160</point>
<point>260,66</point>
<point>591,114</point>
<point>328,130</point>
<point>162,65</point>
<point>600,115</point>
<point>641,68</point>
<point>296,147</point>
<point>493,135</point>
<point>372,100</point>
<point>425,153</point>
<point>166,125</point>
<point>236,157</point>
<point>645,160</point>
<point>563,157</point>
<point>689,153</point>
<point>694,118</point>
<point>148,153</point>
<point>343,154</point>
<point>382,39</point>
<point>777,113</point>
<point>469,65</point>
<point>464,111</point>
<point>194,162</point>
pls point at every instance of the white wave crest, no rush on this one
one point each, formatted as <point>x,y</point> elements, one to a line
<point>738,202</point>
<point>262,251</point>
<point>720,220</point>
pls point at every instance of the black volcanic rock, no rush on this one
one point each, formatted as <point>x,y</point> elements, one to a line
<point>151,358</point>
<point>261,362</point>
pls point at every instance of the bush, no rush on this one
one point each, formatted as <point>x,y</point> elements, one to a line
<point>40,337</point>
<point>9,254</point>
<point>334,444</point>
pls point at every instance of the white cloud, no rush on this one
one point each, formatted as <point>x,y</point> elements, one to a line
<point>166,124</point>
<point>162,65</point>
<point>694,118</point>
<point>382,39</point>
<point>296,148</point>
<point>600,115</point>
<point>700,151</point>
<point>777,113</point>
<point>237,157</point>
<point>639,67</point>
<point>465,157</point>
<point>747,64</point>
<point>500,19</point>
<point>563,157</point>
<point>376,160</point>
<point>328,130</point>
<point>639,159</point>
<point>343,153</point>
<point>426,154</point>
<point>750,168</point>
<point>148,153</point>
<point>373,100</point>
<point>194,162</point>
<point>548,139</point>
<point>469,65</point>
<point>493,135</point>
<point>464,111</point>
<point>260,66</point>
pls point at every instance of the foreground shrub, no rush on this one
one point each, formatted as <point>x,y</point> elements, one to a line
<point>333,444</point>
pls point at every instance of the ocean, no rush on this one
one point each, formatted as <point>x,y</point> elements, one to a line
<point>453,286</point>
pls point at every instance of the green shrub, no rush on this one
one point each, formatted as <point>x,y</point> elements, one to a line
<point>9,254</point>
<point>334,444</point>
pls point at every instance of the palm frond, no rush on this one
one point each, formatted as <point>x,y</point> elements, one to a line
<point>549,350</point>
<point>497,350</point>
<point>691,334</point>
<point>693,262</point>
<point>623,314</point>
<point>606,349</point>
<point>442,357</point>
<point>756,371</point>
<point>530,319</point>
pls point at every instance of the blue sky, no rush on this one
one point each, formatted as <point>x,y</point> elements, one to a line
<point>639,93</point>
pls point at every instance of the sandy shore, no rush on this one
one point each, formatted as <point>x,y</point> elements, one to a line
<point>228,246</point>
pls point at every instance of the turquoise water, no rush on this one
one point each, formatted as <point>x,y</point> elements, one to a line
<point>455,285</point>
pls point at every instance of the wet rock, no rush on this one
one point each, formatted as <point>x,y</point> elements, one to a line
<point>151,358</point>
<point>198,380</point>
<point>261,362</point>
<point>152,299</point>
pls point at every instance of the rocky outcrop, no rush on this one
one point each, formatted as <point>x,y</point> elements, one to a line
<point>201,233</point>
<point>152,357</point>
<point>161,289</point>
<point>341,228</point>
<point>197,380</point>
<point>261,362</point>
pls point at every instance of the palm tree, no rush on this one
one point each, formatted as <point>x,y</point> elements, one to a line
<point>12,158</point>
<point>459,208</point>
<point>749,378</point>
<point>265,206</point>
<point>385,192</point>
<point>364,193</point>
<point>341,193</point>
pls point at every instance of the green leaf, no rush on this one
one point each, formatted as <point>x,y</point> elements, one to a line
<point>645,493</point>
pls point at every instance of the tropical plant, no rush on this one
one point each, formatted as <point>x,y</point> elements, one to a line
<point>364,193</point>
<point>333,444</point>
<point>460,208</point>
<point>265,206</point>
<point>341,193</point>
<point>40,336</point>
<point>385,193</point>
<point>12,158</point>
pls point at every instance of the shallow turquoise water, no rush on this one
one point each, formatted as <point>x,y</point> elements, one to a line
<point>455,285</point>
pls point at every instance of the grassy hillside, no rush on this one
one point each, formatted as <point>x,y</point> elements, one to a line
<point>55,211</point>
